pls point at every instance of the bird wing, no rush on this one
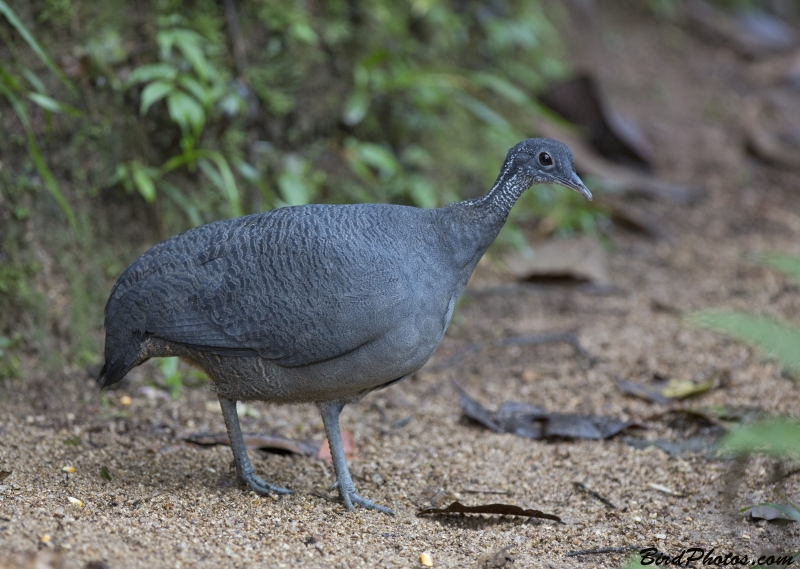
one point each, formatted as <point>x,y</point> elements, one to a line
<point>293,292</point>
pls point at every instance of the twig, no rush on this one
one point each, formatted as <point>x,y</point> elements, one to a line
<point>601,550</point>
<point>237,42</point>
<point>568,337</point>
<point>583,488</point>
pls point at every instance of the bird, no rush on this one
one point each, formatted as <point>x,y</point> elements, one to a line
<point>316,303</point>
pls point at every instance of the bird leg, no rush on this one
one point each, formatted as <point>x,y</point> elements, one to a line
<point>243,467</point>
<point>347,490</point>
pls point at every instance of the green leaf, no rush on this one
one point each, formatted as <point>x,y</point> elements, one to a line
<point>422,193</point>
<point>790,512</point>
<point>35,82</point>
<point>293,184</point>
<point>186,112</point>
<point>787,264</point>
<point>172,376</point>
<point>502,87</point>
<point>189,43</point>
<point>154,92</point>
<point>776,339</point>
<point>304,32</point>
<point>780,437</point>
<point>34,45</point>
<point>224,180</point>
<point>50,104</point>
<point>193,86</point>
<point>144,183</point>
<point>152,72</point>
<point>182,202</point>
<point>482,111</point>
<point>104,474</point>
<point>376,156</point>
<point>356,107</point>
<point>36,157</point>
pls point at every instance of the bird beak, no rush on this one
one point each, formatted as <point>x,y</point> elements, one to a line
<point>576,184</point>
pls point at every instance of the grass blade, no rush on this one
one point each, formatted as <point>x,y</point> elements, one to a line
<point>774,338</point>
<point>38,160</point>
<point>6,10</point>
<point>779,437</point>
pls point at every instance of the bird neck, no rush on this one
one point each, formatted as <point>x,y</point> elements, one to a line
<point>477,222</point>
<point>490,212</point>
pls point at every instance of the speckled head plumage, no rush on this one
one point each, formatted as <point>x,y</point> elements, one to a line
<point>544,161</point>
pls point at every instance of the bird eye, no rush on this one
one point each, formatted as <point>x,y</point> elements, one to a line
<point>545,159</point>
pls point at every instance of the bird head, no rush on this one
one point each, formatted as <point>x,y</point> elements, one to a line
<point>545,161</point>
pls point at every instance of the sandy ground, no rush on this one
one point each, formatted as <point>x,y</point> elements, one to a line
<point>174,504</point>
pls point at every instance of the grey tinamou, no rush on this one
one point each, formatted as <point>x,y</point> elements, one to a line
<point>317,303</point>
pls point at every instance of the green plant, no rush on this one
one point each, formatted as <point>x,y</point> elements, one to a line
<point>194,91</point>
<point>15,91</point>
<point>9,362</point>
<point>779,438</point>
<point>775,338</point>
<point>172,376</point>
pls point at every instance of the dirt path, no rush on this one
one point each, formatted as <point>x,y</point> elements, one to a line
<point>174,504</point>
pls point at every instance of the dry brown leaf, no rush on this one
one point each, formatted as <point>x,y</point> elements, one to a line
<point>579,260</point>
<point>496,509</point>
<point>262,442</point>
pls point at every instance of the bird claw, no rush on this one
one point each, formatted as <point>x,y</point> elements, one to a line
<point>368,504</point>
<point>264,488</point>
<point>350,498</point>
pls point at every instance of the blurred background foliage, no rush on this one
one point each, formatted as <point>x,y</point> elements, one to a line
<point>126,122</point>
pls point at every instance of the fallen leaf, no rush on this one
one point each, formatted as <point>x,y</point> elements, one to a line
<point>665,490</point>
<point>497,509</point>
<point>269,443</point>
<point>561,260</point>
<point>104,474</point>
<point>770,513</point>
<point>4,474</point>
<point>633,218</point>
<point>750,33</point>
<point>646,392</point>
<point>324,452</point>
<point>673,389</point>
<point>682,388</point>
<point>611,132</point>
<point>771,131</point>
<point>675,449</point>
<point>613,178</point>
<point>532,422</point>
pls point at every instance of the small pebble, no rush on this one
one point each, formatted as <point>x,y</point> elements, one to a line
<point>75,502</point>
<point>69,469</point>
<point>125,400</point>
<point>46,538</point>
<point>426,559</point>
<point>661,536</point>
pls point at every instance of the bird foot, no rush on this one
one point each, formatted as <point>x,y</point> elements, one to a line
<point>368,504</point>
<point>264,488</point>
<point>349,498</point>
